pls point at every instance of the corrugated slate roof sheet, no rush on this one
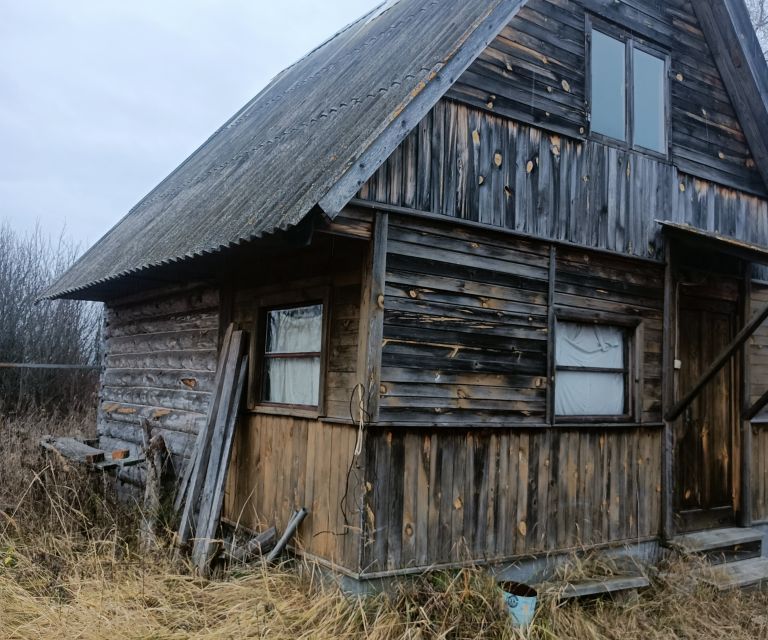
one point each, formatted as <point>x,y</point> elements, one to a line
<point>267,167</point>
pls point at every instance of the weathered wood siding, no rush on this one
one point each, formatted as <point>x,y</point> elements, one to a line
<point>535,72</point>
<point>758,379</point>
<point>283,463</point>
<point>160,361</point>
<point>441,497</point>
<point>590,282</point>
<point>332,266</point>
<point>463,162</point>
<point>466,337</point>
<point>465,359</point>
<point>465,327</point>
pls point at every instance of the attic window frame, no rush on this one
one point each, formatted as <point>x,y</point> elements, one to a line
<point>631,43</point>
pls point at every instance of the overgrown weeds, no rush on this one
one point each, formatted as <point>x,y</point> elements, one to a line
<point>70,567</point>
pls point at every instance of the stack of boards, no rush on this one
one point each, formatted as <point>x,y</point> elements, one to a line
<point>201,491</point>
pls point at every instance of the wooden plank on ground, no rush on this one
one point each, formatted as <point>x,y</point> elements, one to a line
<point>601,587</point>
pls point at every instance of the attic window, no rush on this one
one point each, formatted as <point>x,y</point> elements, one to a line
<point>629,87</point>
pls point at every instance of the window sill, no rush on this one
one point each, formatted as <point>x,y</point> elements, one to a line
<point>512,426</point>
<point>587,420</point>
<point>274,410</point>
<point>659,156</point>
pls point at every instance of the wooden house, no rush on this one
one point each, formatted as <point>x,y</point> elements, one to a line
<point>501,264</point>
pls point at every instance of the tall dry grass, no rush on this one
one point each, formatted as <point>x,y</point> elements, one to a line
<point>70,568</point>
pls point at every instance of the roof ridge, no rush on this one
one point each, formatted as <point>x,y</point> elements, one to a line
<point>330,39</point>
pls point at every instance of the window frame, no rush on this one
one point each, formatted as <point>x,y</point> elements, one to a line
<point>258,356</point>
<point>633,357</point>
<point>631,43</point>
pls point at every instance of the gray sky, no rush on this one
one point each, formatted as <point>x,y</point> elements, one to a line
<point>101,99</point>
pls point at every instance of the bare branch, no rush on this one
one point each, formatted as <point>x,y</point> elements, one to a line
<point>758,10</point>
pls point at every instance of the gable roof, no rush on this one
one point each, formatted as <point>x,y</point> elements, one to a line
<point>323,126</point>
<point>345,105</point>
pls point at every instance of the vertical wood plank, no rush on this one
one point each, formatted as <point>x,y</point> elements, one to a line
<point>745,462</point>
<point>668,397</point>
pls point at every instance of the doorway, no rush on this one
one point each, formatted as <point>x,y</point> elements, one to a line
<point>707,434</point>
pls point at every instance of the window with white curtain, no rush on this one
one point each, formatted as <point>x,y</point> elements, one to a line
<point>591,370</point>
<point>292,355</point>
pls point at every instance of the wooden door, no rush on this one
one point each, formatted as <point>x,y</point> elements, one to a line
<point>706,434</point>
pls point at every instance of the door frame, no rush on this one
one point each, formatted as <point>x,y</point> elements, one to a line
<point>720,493</point>
<point>740,394</point>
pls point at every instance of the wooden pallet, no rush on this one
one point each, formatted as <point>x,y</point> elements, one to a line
<point>81,452</point>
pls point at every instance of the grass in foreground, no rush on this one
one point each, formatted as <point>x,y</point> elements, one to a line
<point>69,568</point>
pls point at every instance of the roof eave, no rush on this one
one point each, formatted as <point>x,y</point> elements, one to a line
<point>728,29</point>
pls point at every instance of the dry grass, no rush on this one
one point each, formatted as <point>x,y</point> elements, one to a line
<point>69,569</point>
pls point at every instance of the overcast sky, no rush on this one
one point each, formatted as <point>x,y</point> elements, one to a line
<point>101,99</point>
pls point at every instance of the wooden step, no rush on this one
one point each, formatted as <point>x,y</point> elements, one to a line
<point>716,539</point>
<point>605,586</point>
<point>738,575</point>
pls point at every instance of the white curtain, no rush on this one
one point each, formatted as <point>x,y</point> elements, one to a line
<point>297,330</point>
<point>294,380</point>
<point>589,393</point>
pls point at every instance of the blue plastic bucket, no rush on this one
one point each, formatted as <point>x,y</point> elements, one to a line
<point>521,601</point>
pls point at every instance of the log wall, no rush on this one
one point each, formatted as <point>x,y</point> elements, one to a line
<point>466,322</point>
<point>159,365</point>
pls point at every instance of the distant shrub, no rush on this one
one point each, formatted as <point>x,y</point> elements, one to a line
<point>32,331</point>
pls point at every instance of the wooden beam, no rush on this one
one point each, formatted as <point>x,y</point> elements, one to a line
<point>551,320</point>
<point>372,316</point>
<point>192,479</point>
<point>668,397</point>
<point>73,449</point>
<point>745,467</point>
<point>736,344</point>
<point>756,408</point>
